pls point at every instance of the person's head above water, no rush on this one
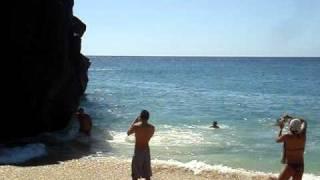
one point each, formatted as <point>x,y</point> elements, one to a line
<point>214,124</point>
<point>144,115</point>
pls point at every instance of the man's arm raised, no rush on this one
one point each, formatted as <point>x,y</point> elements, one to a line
<point>132,127</point>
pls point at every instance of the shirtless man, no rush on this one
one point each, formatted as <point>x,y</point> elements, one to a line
<point>84,121</point>
<point>141,165</point>
<point>294,149</point>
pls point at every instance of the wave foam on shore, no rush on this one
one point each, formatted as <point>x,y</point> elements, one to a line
<point>21,154</point>
<point>198,167</point>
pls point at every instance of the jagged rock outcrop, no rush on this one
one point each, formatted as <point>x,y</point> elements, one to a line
<point>47,73</point>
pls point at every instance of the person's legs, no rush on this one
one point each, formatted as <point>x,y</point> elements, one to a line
<point>147,166</point>
<point>298,172</point>
<point>133,168</point>
<point>297,176</point>
<point>286,173</point>
<point>137,165</point>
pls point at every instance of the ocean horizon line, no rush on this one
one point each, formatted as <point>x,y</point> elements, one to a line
<point>178,56</point>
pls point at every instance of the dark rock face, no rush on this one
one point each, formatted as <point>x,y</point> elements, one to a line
<point>48,74</point>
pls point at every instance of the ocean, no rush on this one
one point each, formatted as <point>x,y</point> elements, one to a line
<point>184,95</point>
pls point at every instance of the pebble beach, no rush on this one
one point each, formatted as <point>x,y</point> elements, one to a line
<point>112,168</point>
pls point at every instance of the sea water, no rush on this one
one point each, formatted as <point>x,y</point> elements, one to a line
<point>184,95</point>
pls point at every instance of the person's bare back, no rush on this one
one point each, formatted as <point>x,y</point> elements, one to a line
<point>295,148</point>
<point>141,161</point>
<point>143,134</point>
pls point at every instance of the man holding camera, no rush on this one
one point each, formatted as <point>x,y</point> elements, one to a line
<point>141,163</point>
<point>294,145</point>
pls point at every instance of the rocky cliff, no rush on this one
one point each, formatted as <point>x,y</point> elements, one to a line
<point>47,74</point>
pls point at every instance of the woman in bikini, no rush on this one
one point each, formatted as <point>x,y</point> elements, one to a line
<point>294,145</point>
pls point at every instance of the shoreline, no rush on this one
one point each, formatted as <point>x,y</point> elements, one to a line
<point>114,168</point>
<point>120,169</point>
<point>58,164</point>
<point>74,160</point>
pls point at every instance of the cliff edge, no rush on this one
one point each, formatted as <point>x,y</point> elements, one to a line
<point>47,74</point>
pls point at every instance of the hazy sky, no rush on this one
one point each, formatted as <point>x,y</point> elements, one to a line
<point>200,27</point>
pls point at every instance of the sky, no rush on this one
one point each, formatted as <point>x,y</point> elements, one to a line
<point>200,27</point>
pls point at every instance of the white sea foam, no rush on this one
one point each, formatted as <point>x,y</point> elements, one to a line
<point>310,177</point>
<point>21,154</point>
<point>170,137</point>
<point>120,138</point>
<point>67,134</point>
<point>198,167</point>
<point>177,136</point>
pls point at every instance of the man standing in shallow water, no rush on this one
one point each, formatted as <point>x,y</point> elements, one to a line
<point>141,162</point>
<point>294,148</point>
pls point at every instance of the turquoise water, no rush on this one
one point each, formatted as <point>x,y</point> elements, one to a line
<point>184,96</point>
